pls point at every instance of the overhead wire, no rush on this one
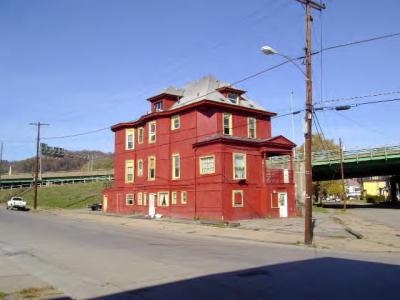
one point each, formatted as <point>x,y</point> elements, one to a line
<point>362,96</point>
<point>361,125</point>
<point>252,76</point>
<point>358,42</point>
<point>346,107</point>
<point>75,135</point>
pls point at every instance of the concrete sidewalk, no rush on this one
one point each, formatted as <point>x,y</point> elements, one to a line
<point>335,229</point>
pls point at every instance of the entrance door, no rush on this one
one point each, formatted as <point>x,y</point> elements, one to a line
<point>283,209</point>
<point>152,207</point>
<point>105,203</point>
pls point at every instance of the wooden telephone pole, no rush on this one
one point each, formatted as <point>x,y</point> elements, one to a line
<point>308,120</point>
<point>38,124</point>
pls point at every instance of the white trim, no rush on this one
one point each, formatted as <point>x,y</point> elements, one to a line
<point>130,139</point>
<point>148,167</point>
<point>160,200</point>
<point>140,168</point>
<point>229,115</point>
<point>234,166</point>
<point>174,157</point>
<point>201,158</point>
<point>248,128</point>
<point>140,135</point>
<point>152,135</point>
<point>234,192</point>
<point>129,164</point>
<point>183,197</point>
<point>132,196</point>
<point>173,119</point>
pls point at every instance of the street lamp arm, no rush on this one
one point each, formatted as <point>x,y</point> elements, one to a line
<point>292,60</point>
<point>267,50</point>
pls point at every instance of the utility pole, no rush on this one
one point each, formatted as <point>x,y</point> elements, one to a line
<point>38,124</point>
<point>308,235</point>
<point>342,174</point>
<point>1,160</point>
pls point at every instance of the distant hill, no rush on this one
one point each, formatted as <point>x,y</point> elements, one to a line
<point>72,161</point>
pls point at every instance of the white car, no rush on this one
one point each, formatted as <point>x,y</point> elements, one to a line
<point>16,202</point>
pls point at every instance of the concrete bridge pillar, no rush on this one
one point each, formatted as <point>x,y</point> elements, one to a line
<point>300,182</point>
<point>395,188</point>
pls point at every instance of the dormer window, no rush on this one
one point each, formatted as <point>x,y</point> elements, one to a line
<point>234,98</point>
<point>158,106</point>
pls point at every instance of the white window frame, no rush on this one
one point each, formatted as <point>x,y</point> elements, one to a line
<point>160,199</point>
<point>234,100</point>
<point>229,127</point>
<point>130,139</point>
<point>234,167</point>
<point>174,198</point>
<point>129,199</point>
<point>144,199</point>
<point>140,135</point>
<point>234,192</point>
<point>140,198</point>
<point>129,171</point>
<point>149,159</point>
<point>152,134</point>
<point>183,197</point>
<point>175,122</point>
<point>251,132</point>
<point>176,166</point>
<point>140,167</point>
<point>206,170</point>
<point>158,106</point>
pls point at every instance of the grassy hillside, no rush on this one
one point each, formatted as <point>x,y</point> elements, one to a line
<point>78,160</point>
<point>60,196</point>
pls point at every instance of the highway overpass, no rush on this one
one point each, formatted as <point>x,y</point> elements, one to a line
<point>383,161</point>
<point>49,178</point>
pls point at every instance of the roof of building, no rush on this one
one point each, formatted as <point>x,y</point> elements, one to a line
<point>276,141</point>
<point>206,88</point>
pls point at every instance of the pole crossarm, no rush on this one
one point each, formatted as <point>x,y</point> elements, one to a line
<point>313,4</point>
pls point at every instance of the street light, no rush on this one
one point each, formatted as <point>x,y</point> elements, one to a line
<point>267,50</point>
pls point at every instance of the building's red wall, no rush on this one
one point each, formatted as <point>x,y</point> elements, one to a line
<point>209,196</point>
<point>207,123</point>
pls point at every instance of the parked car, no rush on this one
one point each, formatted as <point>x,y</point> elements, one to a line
<point>95,206</point>
<point>16,202</point>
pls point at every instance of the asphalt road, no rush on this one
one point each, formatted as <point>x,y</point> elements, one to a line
<point>98,260</point>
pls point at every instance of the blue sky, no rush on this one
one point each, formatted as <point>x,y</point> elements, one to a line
<point>84,65</point>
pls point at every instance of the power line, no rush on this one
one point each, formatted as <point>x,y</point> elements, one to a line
<point>253,76</point>
<point>358,42</point>
<point>362,125</point>
<point>361,97</point>
<point>346,107</point>
<point>321,132</point>
<point>74,135</point>
<point>259,73</point>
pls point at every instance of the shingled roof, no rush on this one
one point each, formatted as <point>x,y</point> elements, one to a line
<point>206,88</point>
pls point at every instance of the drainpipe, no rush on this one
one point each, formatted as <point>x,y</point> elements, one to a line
<point>264,166</point>
<point>195,182</point>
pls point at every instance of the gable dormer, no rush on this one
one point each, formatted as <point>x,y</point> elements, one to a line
<point>165,99</point>
<point>232,94</point>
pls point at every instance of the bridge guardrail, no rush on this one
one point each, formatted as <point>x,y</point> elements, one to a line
<point>333,156</point>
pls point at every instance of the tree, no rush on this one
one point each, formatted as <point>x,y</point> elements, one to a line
<point>324,188</point>
<point>318,143</point>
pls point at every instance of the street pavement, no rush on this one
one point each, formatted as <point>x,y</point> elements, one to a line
<point>334,229</point>
<point>348,232</point>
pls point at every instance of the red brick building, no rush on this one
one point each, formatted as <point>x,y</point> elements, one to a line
<point>203,151</point>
